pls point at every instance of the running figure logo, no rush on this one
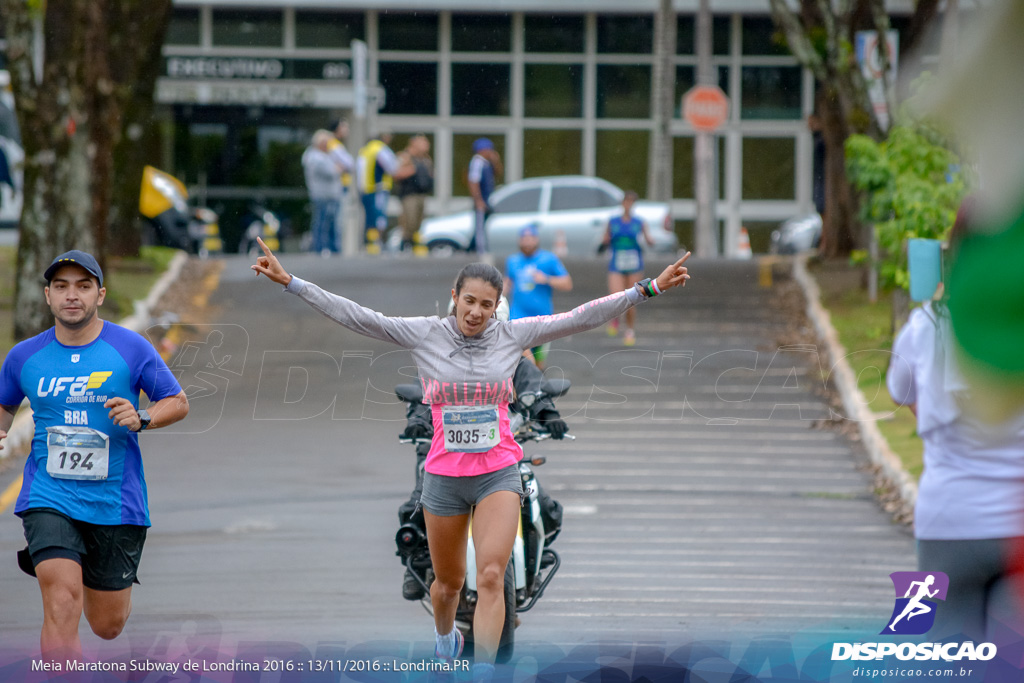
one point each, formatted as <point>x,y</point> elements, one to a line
<point>914,612</point>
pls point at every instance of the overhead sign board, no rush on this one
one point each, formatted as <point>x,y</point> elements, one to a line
<point>316,94</point>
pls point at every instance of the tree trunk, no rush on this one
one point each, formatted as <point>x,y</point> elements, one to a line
<point>53,116</point>
<point>659,181</point>
<point>99,58</point>
<point>146,24</point>
<point>840,214</point>
<point>820,35</point>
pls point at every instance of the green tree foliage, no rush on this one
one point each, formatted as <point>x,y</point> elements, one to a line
<point>911,186</point>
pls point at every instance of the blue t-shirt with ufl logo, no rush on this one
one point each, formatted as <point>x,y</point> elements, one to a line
<point>67,387</point>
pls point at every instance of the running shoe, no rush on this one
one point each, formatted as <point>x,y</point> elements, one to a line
<point>613,328</point>
<point>460,642</point>
<point>630,338</point>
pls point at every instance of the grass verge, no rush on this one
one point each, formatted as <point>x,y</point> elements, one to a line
<point>126,279</point>
<point>865,331</point>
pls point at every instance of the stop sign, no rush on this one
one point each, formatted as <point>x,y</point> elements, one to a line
<point>706,107</point>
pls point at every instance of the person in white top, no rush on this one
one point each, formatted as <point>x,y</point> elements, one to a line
<point>970,502</point>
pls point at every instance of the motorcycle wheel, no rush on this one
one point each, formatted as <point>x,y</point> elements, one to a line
<point>506,644</point>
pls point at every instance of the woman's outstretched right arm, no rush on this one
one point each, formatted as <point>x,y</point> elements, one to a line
<point>405,332</point>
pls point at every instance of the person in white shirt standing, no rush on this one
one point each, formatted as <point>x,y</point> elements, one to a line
<point>323,181</point>
<point>970,502</point>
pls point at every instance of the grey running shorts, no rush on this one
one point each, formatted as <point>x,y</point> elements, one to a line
<point>450,496</point>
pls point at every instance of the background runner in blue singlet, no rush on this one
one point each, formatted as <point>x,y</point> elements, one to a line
<point>626,266</point>
<point>83,496</point>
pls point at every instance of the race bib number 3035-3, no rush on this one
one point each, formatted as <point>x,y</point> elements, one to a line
<point>77,453</point>
<point>470,429</point>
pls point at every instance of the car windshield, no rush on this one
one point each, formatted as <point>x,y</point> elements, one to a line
<point>524,201</point>
<point>576,197</point>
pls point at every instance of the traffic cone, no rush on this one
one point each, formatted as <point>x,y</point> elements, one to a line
<point>743,250</point>
<point>561,247</point>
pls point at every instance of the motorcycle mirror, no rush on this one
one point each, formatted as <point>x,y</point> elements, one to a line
<point>528,400</point>
<point>538,460</point>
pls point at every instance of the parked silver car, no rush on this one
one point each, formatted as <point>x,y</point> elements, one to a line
<point>797,234</point>
<point>576,207</point>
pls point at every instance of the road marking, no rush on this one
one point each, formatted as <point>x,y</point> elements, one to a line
<point>10,494</point>
<point>579,509</point>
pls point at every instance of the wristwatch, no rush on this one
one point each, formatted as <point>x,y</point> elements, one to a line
<point>145,419</point>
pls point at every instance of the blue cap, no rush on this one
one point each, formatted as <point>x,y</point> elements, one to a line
<point>481,144</point>
<point>78,258</point>
<point>529,229</point>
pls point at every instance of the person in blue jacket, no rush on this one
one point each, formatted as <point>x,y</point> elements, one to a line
<point>83,495</point>
<point>531,276</point>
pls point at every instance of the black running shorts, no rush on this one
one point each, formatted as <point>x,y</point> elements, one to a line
<point>109,555</point>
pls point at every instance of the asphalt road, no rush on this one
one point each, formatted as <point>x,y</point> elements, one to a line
<point>700,499</point>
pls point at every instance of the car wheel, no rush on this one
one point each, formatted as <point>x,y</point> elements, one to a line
<point>443,248</point>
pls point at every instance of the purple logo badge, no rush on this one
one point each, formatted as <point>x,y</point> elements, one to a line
<point>916,593</point>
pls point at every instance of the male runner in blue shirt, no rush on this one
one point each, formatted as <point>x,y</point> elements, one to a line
<point>530,278</point>
<point>83,497</point>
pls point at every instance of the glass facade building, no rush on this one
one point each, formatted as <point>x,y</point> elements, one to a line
<point>559,93</point>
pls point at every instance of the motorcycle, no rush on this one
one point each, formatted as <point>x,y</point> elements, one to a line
<point>163,203</point>
<point>263,223</point>
<point>533,562</point>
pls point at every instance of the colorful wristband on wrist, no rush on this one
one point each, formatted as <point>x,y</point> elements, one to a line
<point>654,286</point>
<point>647,288</point>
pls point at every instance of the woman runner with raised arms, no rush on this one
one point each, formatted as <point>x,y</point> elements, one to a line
<point>466,362</point>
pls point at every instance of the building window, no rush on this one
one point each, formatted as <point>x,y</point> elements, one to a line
<point>248,28</point>
<point>769,168</point>
<point>328,29</point>
<point>622,158</point>
<point>682,167</point>
<point>409,87</point>
<point>625,34</point>
<point>554,90</point>
<point>480,89</point>
<point>623,91</point>
<point>552,152</point>
<point>686,34</point>
<point>760,37</point>
<point>481,33</point>
<point>771,92</point>
<point>415,31</point>
<point>462,152</point>
<point>554,33</point>
<point>184,27</point>
<point>721,34</point>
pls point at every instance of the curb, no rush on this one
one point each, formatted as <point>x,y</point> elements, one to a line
<point>19,437</point>
<point>854,403</point>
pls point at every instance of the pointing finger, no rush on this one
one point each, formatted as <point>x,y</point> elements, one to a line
<point>266,249</point>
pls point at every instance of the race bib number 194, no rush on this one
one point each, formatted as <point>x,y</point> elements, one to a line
<point>77,453</point>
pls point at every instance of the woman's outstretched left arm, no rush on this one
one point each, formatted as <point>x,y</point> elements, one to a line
<point>542,329</point>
